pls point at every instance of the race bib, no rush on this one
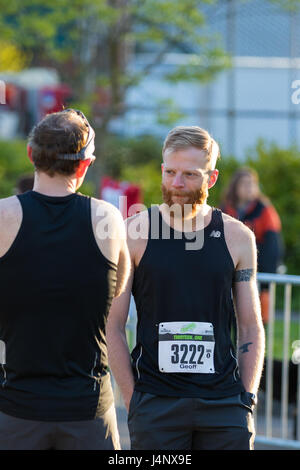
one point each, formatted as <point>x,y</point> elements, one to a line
<point>186,347</point>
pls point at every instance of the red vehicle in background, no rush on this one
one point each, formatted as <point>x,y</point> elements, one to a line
<point>29,96</point>
<point>124,195</point>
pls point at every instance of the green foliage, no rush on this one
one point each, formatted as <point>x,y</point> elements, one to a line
<point>201,68</point>
<point>87,188</point>
<point>88,42</point>
<point>227,165</point>
<point>11,58</point>
<point>279,337</point>
<point>139,160</point>
<point>288,5</point>
<point>117,153</point>
<point>13,164</point>
<point>279,171</point>
<point>148,177</point>
<point>168,112</point>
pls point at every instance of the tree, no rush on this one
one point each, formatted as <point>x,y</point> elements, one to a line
<point>11,59</point>
<point>91,43</point>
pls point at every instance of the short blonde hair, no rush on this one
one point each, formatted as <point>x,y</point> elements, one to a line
<point>182,137</point>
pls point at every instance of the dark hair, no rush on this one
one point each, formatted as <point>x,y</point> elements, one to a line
<point>63,132</point>
<point>230,194</point>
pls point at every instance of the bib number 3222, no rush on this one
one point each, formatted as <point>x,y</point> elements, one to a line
<point>186,347</point>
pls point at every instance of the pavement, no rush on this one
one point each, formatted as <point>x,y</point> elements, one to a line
<point>123,429</point>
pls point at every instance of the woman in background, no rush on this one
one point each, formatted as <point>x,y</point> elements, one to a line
<point>244,201</point>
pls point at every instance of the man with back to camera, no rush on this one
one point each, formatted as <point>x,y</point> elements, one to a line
<point>183,386</point>
<point>58,276</point>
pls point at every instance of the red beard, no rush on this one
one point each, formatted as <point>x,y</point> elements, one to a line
<point>192,198</point>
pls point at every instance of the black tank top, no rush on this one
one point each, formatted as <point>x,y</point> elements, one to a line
<point>185,312</point>
<point>56,289</point>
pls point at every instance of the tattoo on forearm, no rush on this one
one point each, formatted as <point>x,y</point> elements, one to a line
<point>243,275</point>
<point>244,348</point>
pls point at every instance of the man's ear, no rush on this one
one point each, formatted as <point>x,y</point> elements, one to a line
<point>213,178</point>
<point>29,152</point>
<point>162,167</point>
<point>83,166</point>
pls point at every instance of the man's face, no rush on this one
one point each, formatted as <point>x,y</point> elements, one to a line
<point>185,177</point>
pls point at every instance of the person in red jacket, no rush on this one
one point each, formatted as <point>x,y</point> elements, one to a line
<point>244,201</point>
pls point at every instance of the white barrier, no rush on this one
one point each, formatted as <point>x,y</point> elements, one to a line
<point>270,440</point>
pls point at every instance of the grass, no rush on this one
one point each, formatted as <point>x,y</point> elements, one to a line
<point>279,337</point>
<point>295,303</point>
<point>279,323</point>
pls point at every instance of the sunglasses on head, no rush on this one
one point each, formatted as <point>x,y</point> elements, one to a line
<point>82,154</point>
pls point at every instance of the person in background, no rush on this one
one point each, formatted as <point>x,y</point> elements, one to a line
<point>244,201</point>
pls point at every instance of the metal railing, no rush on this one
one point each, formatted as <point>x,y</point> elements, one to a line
<point>268,438</point>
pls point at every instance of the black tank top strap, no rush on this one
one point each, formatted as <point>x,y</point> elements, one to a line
<point>155,223</point>
<point>151,212</point>
<point>217,220</point>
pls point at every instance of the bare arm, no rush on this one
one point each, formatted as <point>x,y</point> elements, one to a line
<point>118,351</point>
<point>110,234</point>
<point>10,222</point>
<point>123,268</point>
<point>251,336</point>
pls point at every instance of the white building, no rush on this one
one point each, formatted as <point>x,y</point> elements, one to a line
<point>258,97</point>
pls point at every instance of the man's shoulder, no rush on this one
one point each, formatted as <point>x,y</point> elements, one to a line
<point>102,203</point>
<point>240,241</point>
<point>8,202</point>
<point>9,207</point>
<point>10,221</point>
<point>103,208</point>
<point>236,229</point>
<point>137,229</point>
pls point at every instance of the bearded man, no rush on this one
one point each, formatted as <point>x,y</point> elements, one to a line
<point>185,384</point>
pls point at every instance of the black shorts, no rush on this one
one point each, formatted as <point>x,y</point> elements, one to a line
<point>171,423</point>
<point>100,433</point>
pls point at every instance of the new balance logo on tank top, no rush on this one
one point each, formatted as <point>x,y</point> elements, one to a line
<point>56,289</point>
<point>185,316</point>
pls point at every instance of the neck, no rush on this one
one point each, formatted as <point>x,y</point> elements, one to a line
<point>57,185</point>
